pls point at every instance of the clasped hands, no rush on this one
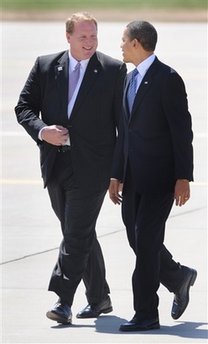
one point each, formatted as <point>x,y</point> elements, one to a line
<point>55,135</point>
<point>181,193</point>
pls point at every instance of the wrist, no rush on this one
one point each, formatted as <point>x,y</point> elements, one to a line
<point>40,134</point>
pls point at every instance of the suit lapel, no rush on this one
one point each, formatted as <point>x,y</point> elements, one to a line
<point>61,76</point>
<point>144,87</point>
<point>91,75</point>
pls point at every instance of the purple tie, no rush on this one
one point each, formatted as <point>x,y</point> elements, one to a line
<point>73,80</point>
<point>132,89</point>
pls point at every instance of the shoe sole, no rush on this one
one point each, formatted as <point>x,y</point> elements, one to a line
<point>104,311</point>
<point>147,328</point>
<point>55,317</point>
<point>107,310</point>
<point>190,284</point>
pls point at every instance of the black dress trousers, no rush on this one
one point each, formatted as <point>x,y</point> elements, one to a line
<point>80,254</point>
<point>144,216</point>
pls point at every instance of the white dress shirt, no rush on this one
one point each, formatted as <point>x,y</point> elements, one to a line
<point>142,69</point>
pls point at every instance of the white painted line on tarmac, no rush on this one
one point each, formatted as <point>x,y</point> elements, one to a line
<point>13,133</point>
<point>199,183</point>
<point>20,181</point>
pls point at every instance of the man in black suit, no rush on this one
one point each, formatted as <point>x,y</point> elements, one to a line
<point>154,160</point>
<point>74,125</point>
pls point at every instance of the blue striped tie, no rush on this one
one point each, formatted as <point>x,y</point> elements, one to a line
<point>131,93</point>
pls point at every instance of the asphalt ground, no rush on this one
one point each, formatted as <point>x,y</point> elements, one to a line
<point>30,231</point>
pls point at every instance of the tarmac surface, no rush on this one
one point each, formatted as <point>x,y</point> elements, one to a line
<point>30,230</point>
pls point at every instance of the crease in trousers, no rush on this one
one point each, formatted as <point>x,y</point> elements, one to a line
<point>80,255</point>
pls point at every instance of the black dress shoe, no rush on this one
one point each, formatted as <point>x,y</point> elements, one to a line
<point>61,313</point>
<point>136,325</point>
<point>181,298</point>
<point>94,310</point>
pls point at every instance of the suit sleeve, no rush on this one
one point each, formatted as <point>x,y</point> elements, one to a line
<point>119,93</point>
<point>180,124</point>
<point>118,158</point>
<point>118,164</point>
<point>29,104</point>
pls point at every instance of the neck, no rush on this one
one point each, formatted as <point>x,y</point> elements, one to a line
<point>143,57</point>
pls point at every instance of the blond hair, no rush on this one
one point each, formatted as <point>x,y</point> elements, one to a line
<point>78,17</point>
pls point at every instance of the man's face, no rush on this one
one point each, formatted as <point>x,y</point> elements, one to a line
<point>83,41</point>
<point>127,47</point>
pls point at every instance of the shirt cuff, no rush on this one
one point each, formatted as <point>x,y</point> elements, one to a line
<point>39,134</point>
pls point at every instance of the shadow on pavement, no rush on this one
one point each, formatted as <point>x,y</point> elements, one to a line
<point>110,324</point>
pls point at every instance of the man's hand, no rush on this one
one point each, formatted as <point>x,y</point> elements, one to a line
<point>182,192</point>
<point>114,191</point>
<point>55,135</point>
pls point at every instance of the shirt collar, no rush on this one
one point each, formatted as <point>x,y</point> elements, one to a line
<point>144,65</point>
<point>73,62</point>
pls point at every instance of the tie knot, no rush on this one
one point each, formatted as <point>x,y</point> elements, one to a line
<point>77,66</point>
<point>135,72</point>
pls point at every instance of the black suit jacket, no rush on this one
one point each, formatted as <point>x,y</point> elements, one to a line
<point>93,122</point>
<point>156,138</point>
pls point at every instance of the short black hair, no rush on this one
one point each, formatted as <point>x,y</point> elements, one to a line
<point>144,32</point>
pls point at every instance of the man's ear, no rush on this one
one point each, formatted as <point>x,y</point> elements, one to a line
<point>135,43</point>
<point>68,37</point>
